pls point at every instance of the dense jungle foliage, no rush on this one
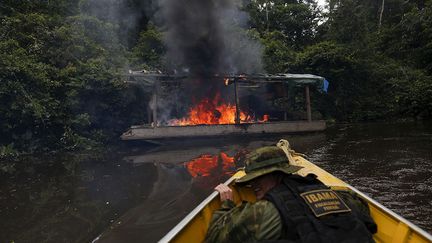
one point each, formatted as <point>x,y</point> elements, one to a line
<point>61,63</point>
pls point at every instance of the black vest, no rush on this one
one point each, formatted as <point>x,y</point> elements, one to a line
<point>312,213</point>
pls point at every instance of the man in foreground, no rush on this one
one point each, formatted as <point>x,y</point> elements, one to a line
<point>289,207</point>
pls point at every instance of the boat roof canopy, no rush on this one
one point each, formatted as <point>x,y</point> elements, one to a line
<point>148,79</point>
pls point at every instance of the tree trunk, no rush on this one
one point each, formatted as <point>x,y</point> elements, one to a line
<point>381,14</point>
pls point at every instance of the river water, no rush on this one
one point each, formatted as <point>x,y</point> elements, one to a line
<point>139,192</point>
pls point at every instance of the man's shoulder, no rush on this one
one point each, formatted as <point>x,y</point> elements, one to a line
<point>246,222</point>
<point>258,208</point>
<point>262,204</point>
<point>259,212</point>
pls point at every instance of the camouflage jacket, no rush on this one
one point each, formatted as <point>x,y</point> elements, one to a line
<point>260,221</point>
<point>248,222</point>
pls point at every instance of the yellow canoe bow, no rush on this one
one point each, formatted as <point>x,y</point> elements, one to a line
<point>391,226</point>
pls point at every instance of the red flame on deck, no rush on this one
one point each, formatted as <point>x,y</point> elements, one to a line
<point>265,118</point>
<point>212,112</point>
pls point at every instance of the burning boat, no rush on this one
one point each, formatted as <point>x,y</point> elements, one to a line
<point>233,105</point>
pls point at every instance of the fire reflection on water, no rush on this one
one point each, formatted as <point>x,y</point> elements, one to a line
<point>208,170</point>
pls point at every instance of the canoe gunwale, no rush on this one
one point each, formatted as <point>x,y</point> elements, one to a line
<point>399,218</point>
<point>189,217</point>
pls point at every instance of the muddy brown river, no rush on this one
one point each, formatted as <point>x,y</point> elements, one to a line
<point>137,193</point>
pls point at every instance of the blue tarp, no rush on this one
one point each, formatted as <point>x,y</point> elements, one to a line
<point>325,85</point>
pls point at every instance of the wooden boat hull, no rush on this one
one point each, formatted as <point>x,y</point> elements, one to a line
<point>167,132</point>
<point>391,227</point>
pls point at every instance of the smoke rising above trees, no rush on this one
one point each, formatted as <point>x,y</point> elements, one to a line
<point>207,37</point>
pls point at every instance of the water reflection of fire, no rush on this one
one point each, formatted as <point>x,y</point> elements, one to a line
<point>207,165</point>
<point>213,111</point>
<point>209,170</point>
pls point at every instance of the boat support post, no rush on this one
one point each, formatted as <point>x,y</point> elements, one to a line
<point>237,114</point>
<point>308,104</point>
<point>155,104</point>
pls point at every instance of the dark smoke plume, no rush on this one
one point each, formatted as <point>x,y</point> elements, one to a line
<point>207,37</point>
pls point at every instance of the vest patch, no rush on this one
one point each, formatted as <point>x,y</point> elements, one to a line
<point>324,201</point>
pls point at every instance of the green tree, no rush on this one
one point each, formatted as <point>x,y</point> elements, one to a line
<point>27,108</point>
<point>60,78</point>
<point>408,38</point>
<point>296,20</point>
<point>277,55</point>
<point>149,49</point>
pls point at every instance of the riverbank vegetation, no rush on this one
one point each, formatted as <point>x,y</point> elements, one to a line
<point>61,63</point>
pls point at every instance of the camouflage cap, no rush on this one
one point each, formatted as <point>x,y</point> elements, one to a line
<point>264,161</point>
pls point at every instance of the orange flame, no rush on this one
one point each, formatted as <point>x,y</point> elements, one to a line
<point>206,165</point>
<point>209,170</point>
<point>212,112</point>
<point>226,81</point>
<point>265,118</point>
